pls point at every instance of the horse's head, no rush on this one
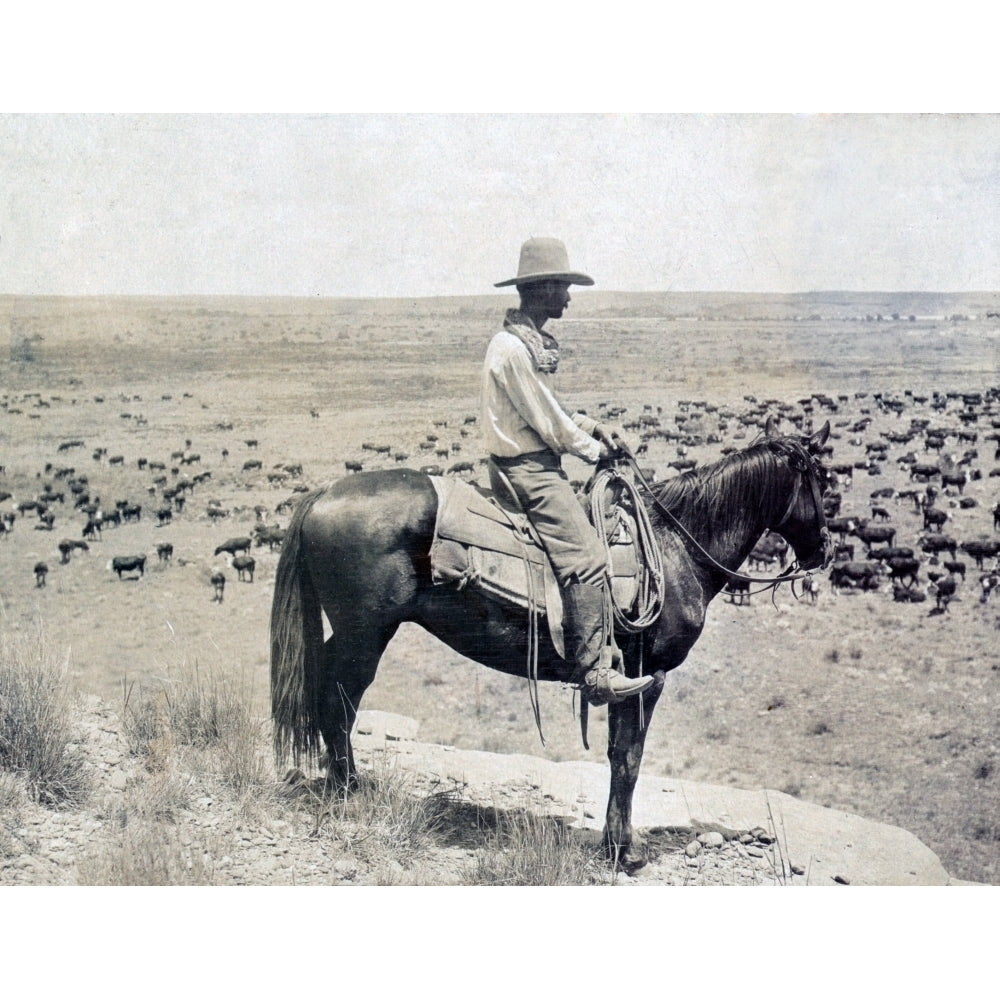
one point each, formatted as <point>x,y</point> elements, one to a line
<point>803,524</point>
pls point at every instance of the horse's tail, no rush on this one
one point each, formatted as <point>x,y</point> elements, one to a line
<point>296,648</point>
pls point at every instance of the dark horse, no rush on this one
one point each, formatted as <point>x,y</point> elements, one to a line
<point>358,551</point>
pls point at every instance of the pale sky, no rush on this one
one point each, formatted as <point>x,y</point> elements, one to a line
<point>417,205</point>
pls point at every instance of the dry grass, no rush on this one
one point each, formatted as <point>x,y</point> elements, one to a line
<point>151,853</point>
<point>524,848</point>
<point>386,820</point>
<point>37,723</point>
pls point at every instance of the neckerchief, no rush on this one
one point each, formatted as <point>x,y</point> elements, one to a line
<point>542,346</point>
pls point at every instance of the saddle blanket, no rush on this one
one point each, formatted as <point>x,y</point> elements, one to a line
<point>480,543</point>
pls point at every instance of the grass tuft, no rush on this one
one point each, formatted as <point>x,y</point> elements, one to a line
<point>38,723</point>
<point>527,849</point>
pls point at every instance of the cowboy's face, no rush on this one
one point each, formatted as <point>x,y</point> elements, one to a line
<point>554,297</point>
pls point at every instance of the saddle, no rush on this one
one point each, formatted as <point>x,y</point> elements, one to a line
<point>482,541</point>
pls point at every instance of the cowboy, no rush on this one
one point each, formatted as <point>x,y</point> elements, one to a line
<point>526,431</point>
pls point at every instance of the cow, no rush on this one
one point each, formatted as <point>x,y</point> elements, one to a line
<point>872,533</point>
<point>218,582</point>
<point>844,553</point>
<point>66,547</point>
<point>128,564</point>
<point>234,546</point>
<point>773,545</point>
<point>244,566</point>
<point>988,582</point>
<point>980,549</point>
<point>812,589</point>
<point>353,466</point>
<point>164,551</point>
<point>908,595</point>
<point>957,479</point>
<point>943,591</point>
<point>761,560</point>
<point>934,544</point>
<point>903,571</point>
<point>270,535</point>
<point>740,588</point>
<point>935,518</point>
<point>41,570</point>
<point>955,568</point>
<point>842,526</point>
<point>854,575</point>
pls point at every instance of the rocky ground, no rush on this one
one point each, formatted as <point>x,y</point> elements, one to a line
<point>160,822</point>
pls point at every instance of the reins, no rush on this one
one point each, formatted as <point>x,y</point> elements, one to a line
<point>787,576</point>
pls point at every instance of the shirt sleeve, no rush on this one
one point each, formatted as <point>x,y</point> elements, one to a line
<point>538,406</point>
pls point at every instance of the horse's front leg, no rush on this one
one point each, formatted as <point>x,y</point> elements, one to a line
<point>627,728</point>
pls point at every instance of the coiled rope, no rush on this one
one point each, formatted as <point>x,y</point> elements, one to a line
<point>649,600</point>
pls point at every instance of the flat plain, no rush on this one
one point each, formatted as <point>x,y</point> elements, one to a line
<point>856,701</point>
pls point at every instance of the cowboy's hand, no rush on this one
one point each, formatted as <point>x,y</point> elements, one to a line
<point>610,437</point>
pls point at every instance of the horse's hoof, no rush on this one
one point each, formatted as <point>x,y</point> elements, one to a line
<point>628,858</point>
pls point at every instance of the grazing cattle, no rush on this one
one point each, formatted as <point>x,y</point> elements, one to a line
<point>163,515</point>
<point>854,575</point>
<point>462,467</point>
<point>353,466</point>
<point>988,582</point>
<point>92,529</point>
<point>980,549</point>
<point>841,526</point>
<point>218,581</point>
<point>773,545</point>
<point>903,571</point>
<point>957,479</point>
<point>738,588</point>
<point>843,553</point>
<point>812,589</point>
<point>41,570</point>
<point>251,465</point>
<point>955,568</point>
<point>234,546</point>
<point>66,547</point>
<point>880,513</point>
<point>943,591</point>
<point>934,544</point>
<point>872,533</point>
<point>164,551</point>
<point>890,552</point>
<point>244,566</point>
<point>128,564</point>
<point>935,518</point>
<point>908,595</point>
<point>270,535</point>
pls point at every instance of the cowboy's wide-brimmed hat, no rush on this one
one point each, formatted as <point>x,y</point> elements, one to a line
<point>545,259</point>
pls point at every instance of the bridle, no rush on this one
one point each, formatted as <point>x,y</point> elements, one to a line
<point>805,467</point>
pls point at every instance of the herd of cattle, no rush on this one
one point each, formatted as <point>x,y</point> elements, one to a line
<point>68,500</point>
<point>910,494</point>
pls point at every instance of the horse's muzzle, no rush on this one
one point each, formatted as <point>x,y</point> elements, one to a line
<point>823,555</point>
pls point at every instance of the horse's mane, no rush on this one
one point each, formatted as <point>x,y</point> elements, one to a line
<point>731,494</point>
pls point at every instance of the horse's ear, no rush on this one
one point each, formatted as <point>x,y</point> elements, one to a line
<point>819,438</point>
<point>771,428</point>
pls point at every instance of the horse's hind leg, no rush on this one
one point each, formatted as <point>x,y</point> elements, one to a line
<point>350,660</point>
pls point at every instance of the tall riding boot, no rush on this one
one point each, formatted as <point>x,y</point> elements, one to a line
<point>588,649</point>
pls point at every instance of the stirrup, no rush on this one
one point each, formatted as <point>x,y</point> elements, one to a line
<point>603,685</point>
